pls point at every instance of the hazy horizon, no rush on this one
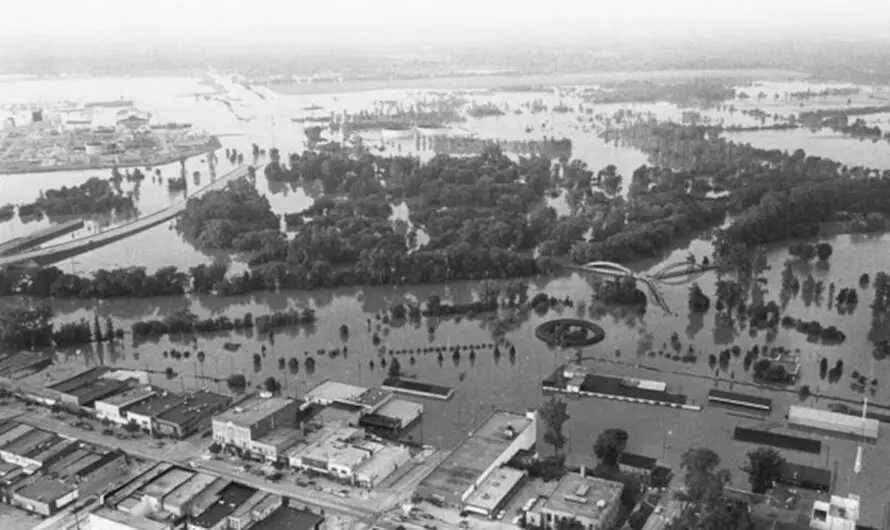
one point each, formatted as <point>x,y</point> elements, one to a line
<point>357,24</point>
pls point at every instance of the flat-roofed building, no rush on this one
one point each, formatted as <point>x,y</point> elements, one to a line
<point>160,487</point>
<point>18,450</point>
<point>208,497</point>
<point>500,437</point>
<point>144,414</point>
<point>253,418</point>
<point>242,517</point>
<point>216,516</point>
<point>49,454</point>
<point>16,432</point>
<point>274,445</point>
<point>394,415</point>
<point>495,492</point>
<point>178,502</point>
<point>108,519</point>
<point>333,453</point>
<point>78,380</point>
<point>114,408</point>
<point>195,413</point>
<point>593,502</point>
<point>381,465</point>
<point>287,518</point>
<point>61,465</point>
<point>136,484</point>
<point>88,394</point>
<point>46,496</point>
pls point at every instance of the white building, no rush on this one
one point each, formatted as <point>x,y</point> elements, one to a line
<point>114,408</point>
<point>841,513</point>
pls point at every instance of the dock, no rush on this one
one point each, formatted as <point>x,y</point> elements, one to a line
<point>40,237</point>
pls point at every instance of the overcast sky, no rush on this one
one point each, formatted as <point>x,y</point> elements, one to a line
<point>353,22</point>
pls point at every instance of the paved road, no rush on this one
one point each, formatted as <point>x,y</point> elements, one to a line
<point>62,251</point>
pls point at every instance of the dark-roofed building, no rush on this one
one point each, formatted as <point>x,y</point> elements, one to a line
<point>35,442</point>
<point>195,413</point>
<point>145,414</point>
<point>637,464</point>
<point>217,514</point>
<point>254,418</point>
<point>46,496</point>
<point>287,518</point>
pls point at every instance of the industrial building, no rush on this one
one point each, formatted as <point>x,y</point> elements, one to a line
<point>114,408</point>
<point>500,437</point>
<point>254,418</point>
<point>216,514</point>
<point>145,414</point>
<point>85,388</point>
<point>381,465</point>
<point>193,414</point>
<point>179,501</point>
<point>108,519</point>
<point>368,400</point>
<point>273,446</point>
<point>495,491</point>
<point>394,415</point>
<point>46,496</point>
<point>593,502</point>
<point>834,422</point>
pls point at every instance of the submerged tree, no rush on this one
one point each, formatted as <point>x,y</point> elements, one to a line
<point>609,445</point>
<point>764,467</point>
<point>554,413</point>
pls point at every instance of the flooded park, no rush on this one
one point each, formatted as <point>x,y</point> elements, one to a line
<point>679,348</point>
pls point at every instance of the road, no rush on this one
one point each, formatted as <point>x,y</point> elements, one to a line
<point>62,251</point>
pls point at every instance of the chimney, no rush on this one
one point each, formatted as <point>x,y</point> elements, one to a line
<point>583,470</point>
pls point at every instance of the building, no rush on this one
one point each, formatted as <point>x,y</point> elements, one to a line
<point>46,496</point>
<point>114,408</point>
<point>216,515</point>
<point>834,422</point>
<point>495,491</point>
<point>155,491</point>
<point>840,513</point>
<point>43,455</point>
<point>336,453</point>
<point>87,387</point>
<point>179,501</point>
<point>273,446</point>
<point>637,464</point>
<point>381,465</point>
<point>394,415</point>
<point>367,400</point>
<point>108,519</point>
<point>500,437</point>
<point>251,510</point>
<point>145,413</point>
<point>23,450</point>
<point>207,497</point>
<point>254,418</point>
<point>287,518</point>
<point>594,502</point>
<point>194,414</point>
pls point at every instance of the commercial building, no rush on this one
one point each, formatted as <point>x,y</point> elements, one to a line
<point>500,437</point>
<point>381,465</point>
<point>394,415</point>
<point>287,518</point>
<point>46,496</point>
<point>208,497</point>
<point>155,491</point>
<point>194,414</point>
<point>145,413</point>
<point>114,408</point>
<point>273,446</point>
<point>85,388</point>
<point>22,450</point>
<point>593,502</point>
<point>216,515</point>
<point>254,418</point>
<point>840,513</point>
<point>495,491</point>
<point>368,400</point>
<point>179,501</point>
<point>43,455</point>
<point>256,508</point>
<point>108,519</point>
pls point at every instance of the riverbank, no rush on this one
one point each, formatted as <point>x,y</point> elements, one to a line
<point>543,80</point>
<point>16,169</point>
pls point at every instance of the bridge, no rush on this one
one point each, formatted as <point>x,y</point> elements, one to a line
<point>42,257</point>
<point>672,274</point>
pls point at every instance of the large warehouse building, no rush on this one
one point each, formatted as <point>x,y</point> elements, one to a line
<point>496,442</point>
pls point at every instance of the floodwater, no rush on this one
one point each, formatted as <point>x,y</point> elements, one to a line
<point>850,151</point>
<point>486,382</point>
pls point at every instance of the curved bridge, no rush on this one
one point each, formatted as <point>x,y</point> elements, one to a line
<point>42,257</point>
<point>672,274</point>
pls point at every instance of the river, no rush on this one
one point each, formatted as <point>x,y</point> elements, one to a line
<point>488,382</point>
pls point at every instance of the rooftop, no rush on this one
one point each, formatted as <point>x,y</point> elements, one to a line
<point>46,489</point>
<point>128,520</point>
<point>230,498</point>
<point>474,455</point>
<point>77,380</point>
<point>189,490</point>
<point>400,409</point>
<point>252,410</point>
<point>98,389</point>
<point>384,462</point>
<point>167,482</point>
<point>280,436</point>
<point>495,487</point>
<point>156,405</point>
<point>583,497</point>
<point>335,391</point>
<point>373,398</point>
<point>194,407</point>
<point>286,518</point>
<point>27,442</point>
<point>129,397</point>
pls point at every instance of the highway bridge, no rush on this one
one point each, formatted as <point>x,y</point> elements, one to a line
<point>42,257</point>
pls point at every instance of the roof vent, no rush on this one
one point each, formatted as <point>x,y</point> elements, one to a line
<point>576,499</point>
<point>601,504</point>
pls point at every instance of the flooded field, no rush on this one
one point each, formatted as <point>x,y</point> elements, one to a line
<point>486,381</point>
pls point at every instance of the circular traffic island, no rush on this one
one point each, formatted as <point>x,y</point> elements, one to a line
<point>571,332</point>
